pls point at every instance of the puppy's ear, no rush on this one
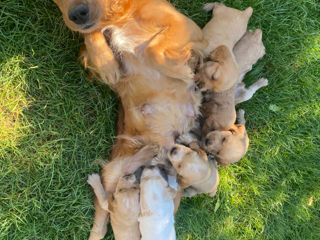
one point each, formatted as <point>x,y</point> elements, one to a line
<point>194,146</point>
<point>138,173</point>
<point>163,171</point>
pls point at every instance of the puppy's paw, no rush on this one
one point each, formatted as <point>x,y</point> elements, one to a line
<point>263,82</point>
<point>189,192</point>
<point>94,180</point>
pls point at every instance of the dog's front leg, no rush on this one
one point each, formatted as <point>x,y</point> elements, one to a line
<point>101,58</point>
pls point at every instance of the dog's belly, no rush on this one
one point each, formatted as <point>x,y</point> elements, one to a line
<point>129,43</point>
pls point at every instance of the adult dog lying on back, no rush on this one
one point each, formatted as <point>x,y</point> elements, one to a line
<point>146,37</point>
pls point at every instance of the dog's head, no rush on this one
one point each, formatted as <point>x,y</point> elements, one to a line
<point>82,15</point>
<point>191,163</point>
<point>155,188</point>
<point>220,72</point>
<point>126,196</point>
<point>227,146</point>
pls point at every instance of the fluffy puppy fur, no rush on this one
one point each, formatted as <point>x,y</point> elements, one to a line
<point>219,71</point>
<point>218,108</point>
<point>247,52</point>
<point>226,27</point>
<point>156,220</point>
<point>143,36</point>
<point>196,173</point>
<point>228,146</point>
<point>123,206</point>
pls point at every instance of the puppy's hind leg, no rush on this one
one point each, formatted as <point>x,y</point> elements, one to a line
<point>95,182</point>
<point>244,94</point>
<point>101,218</point>
<point>240,117</point>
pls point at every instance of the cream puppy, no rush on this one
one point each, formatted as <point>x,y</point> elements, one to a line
<point>247,52</point>
<point>196,173</point>
<point>228,146</point>
<point>226,27</point>
<point>123,205</point>
<point>157,205</point>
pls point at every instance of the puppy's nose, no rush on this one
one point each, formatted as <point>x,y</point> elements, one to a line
<point>79,14</point>
<point>173,151</point>
<point>208,142</point>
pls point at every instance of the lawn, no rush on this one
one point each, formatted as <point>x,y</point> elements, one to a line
<point>56,126</point>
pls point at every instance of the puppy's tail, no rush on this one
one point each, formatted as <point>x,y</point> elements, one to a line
<point>210,6</point>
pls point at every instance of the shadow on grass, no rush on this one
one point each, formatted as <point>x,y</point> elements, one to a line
<point>65,124</point>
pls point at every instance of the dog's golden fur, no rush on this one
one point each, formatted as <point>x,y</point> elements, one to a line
<point>123,206</point>
<point>150,36</point>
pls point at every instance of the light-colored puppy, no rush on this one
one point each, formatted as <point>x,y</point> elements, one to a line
<point>228,146</point>
<point>196,173</point>
<point>123,205</point>
<point>219,72</point>
<point>218,108</point>
<point>247,52</point>
<point>157,205</point>
<point>226,27</point>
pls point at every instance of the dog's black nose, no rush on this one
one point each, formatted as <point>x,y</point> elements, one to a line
<point>79,14</point>
<point>208,142</point>
<point>173,151</point>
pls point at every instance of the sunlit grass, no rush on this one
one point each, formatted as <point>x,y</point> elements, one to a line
<point>54,125</point>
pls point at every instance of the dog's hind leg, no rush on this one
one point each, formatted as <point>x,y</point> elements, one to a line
<point>101,219</point>
<point>244,94</point>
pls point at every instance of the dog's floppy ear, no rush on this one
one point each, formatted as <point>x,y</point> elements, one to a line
<point>138,173</point>
<point>163,171</point>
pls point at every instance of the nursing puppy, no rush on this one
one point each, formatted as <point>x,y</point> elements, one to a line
<point>218,108</point>
<point>196,173</point>
<point>247,52</point>
<point>127,156</point>
<point>156,219</point>
<point>228,146</point>
<point>226,27</point>
<point>123,206</point>
<point>219,72</point>
<point>146,37</point>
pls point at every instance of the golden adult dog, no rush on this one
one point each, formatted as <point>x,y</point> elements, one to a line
<point>146,37</point>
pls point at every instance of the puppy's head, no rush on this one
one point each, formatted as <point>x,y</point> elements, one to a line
<point>191,163</point>
<point>227,146</point>
<point>220,73</point>
<point>156,189</point>
<point>82,15</point>
<point>126,196</point>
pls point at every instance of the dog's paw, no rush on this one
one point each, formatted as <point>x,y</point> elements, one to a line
<point>94,180</point>
<point>263,82</point>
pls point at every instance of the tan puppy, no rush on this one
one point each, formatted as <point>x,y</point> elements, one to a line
<point>218,108</point>
<point>195,172</point>
<point>123,206</point>
<point>156,221</point>
<point>228,146</point>
<point>219,72</point>
<point>247,52</point>
<point>226,27</point>
<point>145,37</point>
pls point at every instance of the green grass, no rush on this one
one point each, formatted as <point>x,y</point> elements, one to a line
<point>55,126</point>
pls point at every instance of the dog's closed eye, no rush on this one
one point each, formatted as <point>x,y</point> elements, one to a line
<point>223,139</point>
